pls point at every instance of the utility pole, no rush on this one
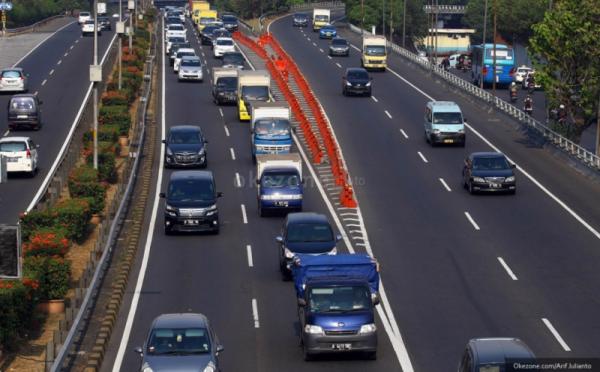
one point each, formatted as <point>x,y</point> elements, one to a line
<point>391,20</point>
<point>494,41</point>
<point>120,32</point>
<point>95,83</point>
<point>131,7</point>
<point>383,17</point>
<point>483,41</point>
<point>598,127</point>
<point>435,30</point>
<point>404,24</point>
<point>362,22</point>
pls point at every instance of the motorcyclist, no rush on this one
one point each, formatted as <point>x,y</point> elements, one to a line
<point>530,82</point>
<point>461,62</point>
<point>513,91</point>
<point>528,105</point>
<point>561,114</point>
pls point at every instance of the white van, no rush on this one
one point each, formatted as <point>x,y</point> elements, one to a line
<point>444,123</point>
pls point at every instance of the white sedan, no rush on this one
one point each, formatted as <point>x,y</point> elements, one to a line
<point>223,45</point>
<point>182,52</point>
<point>88,27</point>
<point>521,73</point>
<point>21,154</point>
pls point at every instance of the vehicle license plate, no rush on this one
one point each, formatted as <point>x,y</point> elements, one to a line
<point>21,116</point>
<point>448,140</point>
<point>495,185</point>
<point>190,222</point>
<point>281,203</point>
<point>341,346</point>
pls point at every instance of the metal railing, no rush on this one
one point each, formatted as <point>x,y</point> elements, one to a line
<point>32,28</point>
<point>587,157</point>
<point>107,237</point>
<point>297,7</point>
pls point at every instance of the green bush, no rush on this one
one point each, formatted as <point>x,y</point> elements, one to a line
<point>72,215</point>
<point>107,170</point>
<point>16,307</point>
<point>52,274</point>
<point>113,114</point>
<point>109,133</point>
<point>114,98</point>
<point>84,183</point>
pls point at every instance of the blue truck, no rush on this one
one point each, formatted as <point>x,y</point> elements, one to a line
<point>337,295</point>
<point>279,183</point>
<point>270,128</point>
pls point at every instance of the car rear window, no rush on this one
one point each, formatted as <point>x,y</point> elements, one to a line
<point>84,14</point>
<point>12,146</point>
<point>175,28</point>
<point>191,63</point>
<point>11,74</point>
<point>179,340</point>
<point>339,42</point>
<point>22,103</point>
<point>224,42</point>
<point>309,232</point>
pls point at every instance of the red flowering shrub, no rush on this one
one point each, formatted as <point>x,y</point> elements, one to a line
<point>47,242</point>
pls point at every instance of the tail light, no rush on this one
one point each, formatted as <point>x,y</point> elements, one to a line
<point>28,154</point>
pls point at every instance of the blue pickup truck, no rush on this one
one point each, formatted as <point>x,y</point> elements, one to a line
<point>271,129</point>
<point>337,295</point>
<point>279,183</point>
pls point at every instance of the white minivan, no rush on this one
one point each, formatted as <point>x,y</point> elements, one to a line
<point>21,154</point>
<point>444,123</point>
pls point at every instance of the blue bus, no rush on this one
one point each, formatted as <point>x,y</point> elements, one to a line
<point>505,64</point>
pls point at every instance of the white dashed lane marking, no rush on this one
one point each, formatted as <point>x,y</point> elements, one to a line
<point>475,225</point>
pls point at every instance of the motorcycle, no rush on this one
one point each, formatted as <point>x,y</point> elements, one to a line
<point>530,86</point>
<point>528,109</point>
<point>513,95</point>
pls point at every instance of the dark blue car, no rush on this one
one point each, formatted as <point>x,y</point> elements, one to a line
<point>185,147</point>
<point>489,172</point>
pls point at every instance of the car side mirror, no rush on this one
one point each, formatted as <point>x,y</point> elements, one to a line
<point>465,120</point>
<point>205,141</point>
<point>301,302</point>
<point>513,166</point>
<point>220,348</point>
<point>219,194</point>
<point>164,141</point>
<point>138,350</point>
<point>279,239</point>
<point>375,299</point>
<point>338,237</point>
<point>162,195</point>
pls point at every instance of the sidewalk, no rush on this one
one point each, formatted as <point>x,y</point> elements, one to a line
<point>13,48</point>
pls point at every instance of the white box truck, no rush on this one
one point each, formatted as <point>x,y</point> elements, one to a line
<point>321,17</point>
<point>374,53</point>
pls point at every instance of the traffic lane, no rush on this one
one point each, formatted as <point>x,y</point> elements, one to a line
<point>560,174</point>
<point>62,96</point>
<point>379,194</point>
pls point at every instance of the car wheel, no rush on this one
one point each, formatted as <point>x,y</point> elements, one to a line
<point>368,94</point>
<point>372,355</point>
<point>463,143</point>
<point>168,231</point>
<point>470,187</point>
<point>432,141</point>
<point>344,92</point>
<point>261,211</point>
<point>306,354</point>
<point>512,192</point>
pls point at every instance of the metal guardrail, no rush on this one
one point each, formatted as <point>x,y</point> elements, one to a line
<point>586,156</point>
<point>297,7</point>
<point>445,9</point>
<point>123,197</point>
<point>31,28</point>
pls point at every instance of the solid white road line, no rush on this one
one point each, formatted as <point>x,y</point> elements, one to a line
<point>308,38</point>
<point>388,114</point>
<point>338,65</point>
<point>140,280</point>
<point>232,153</point>
<point>76,41</point>
<point>404,133</point>
<point>226,130</point>
<point>255,313</point>
<point>249,252</point>
<point>561,203</point>
<point>40,43</point>
<point>221,111</point>
<point>44,82</point>
<point>556,335</point>
<point>445,184</point>
<point>475,225</point>
<point>422,157</point>
<point>508,270</point>
<point>238,181</point>
<point>51,71</point>
<point>244,216</point>
<point>374,99</point>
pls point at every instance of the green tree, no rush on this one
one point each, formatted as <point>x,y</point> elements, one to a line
<point>566,48</point>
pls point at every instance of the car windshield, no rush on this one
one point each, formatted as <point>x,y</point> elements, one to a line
<point>205,20</point>
<point>229,19</point>
<point>191,63</point>
<point>328,28</point>
<point>339,299</point>
<point>84,14</point>
<point>227,82</point>
<point>280,179</point>
<point>375,50</point>
<point>358,75</point>
<point>181,137</point>
<point>339,42</point>
<point>255,93</point>
<point>233,59</point>
<point>447,118</point>
<point>272,127</point>
<point>175,28</point>
<point>22,103</point>
<point>321,18</point>
<point>490,163</point>
<point>300,16</point>
<point>309,232</point>
<point>179,341</point>
<point>12,146</point>
<point>11,74</point>
<point>225,42</point>
<point>191,190</point>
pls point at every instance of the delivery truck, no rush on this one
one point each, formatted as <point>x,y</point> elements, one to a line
<point>271,131</point>
<point>321,17</point>
<point>224,88</point>
<point>253,86</point>
<point>374,53</point>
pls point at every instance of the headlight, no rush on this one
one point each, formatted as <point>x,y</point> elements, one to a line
<point>367,328</point>
<point>170,208</point>
<point>510,179</point>
<point>169,152</point>
<point>288,254</point>
<point>436,131</point>
<point>211,210</point>
<point>201,152</point>
<point>313,329</point>
<point>333,251</point>
<point>348,83</point>
<point>146,368</point>
<point>210,367</point>
<point>478,179</point>
<point>368,84</point>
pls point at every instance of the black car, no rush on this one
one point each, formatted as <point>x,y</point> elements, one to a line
<point>489,171</point>
<point>339,47</point>
<point>219,32</point>
<point>304,233</point>
<point>495,354</point>
<point>230,22</point>
<point>174,48</point>
<point>191,202</point>
<point>356,80</point>
<point>24,111</point>
<point>206,36</point>
<point>104,23</point>
<point>300,20</point>
<point>233,60</point>
<point>185,147</point>
<point>173,20</point>
<point>225,90</point>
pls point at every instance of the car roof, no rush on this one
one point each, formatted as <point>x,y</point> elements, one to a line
<point>14,139</point>
<point>446,106</point>
<point>185,128</point>
<point>224,38</point>
<point>24,95</point>
<point>487,154</point>
<point>191,174</point>
<point>12,69</point>
<point>497,350</point>
<point>311,217</point>
<point>355,69</point>
<point>180,320</point>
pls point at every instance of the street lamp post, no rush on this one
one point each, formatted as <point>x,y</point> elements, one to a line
<point>94,82</point>
<point>483,42</point>
<point>404,24</point>
<point>120,44</point>
<point>383,17</point>
<point>494,41</point>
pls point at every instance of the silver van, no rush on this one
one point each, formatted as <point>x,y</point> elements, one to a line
<point>444,123</point>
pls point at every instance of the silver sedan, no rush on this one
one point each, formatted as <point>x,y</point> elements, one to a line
<point>13,80</point>
<point>190,68</point>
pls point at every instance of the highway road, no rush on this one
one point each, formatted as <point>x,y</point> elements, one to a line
<point>458,266</point>
<point>59,73</point>
<point>219,275</point>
